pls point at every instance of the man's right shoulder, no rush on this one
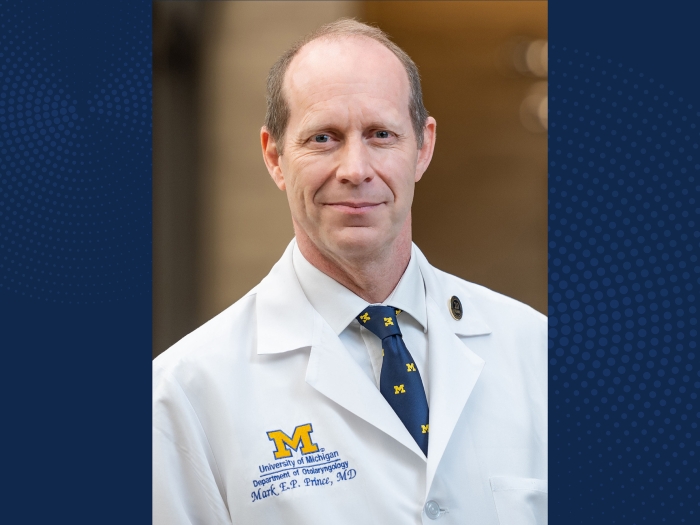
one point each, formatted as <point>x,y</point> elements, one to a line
<point>228,332</point>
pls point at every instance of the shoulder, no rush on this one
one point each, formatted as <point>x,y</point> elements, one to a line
<point>215,341</point>
<point>509,335</point>
<point>495,308</point>
<point>489,311</point>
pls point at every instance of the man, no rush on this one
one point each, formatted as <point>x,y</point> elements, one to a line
<point>356,383</point>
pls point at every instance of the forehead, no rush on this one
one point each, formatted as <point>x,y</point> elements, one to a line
<point>344,67</point>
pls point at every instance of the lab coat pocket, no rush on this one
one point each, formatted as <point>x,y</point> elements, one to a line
<point>520,501</point>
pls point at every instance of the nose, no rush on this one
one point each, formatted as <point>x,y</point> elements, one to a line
<point>354,165</point>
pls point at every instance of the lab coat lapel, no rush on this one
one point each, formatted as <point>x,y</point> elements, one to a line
<point>453,371</point>
<point>453,368</point>
<point>287,321</point>
<point>334,374</point>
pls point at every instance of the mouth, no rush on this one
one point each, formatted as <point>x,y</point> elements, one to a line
<point>354,208</point>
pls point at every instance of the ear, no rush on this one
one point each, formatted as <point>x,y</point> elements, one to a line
<point>425,154</point>
<point>271,156</point>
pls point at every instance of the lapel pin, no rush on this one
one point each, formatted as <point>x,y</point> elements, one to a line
<point>456,307</point>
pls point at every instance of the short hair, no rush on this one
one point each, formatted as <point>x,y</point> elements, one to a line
<point>277,114</point>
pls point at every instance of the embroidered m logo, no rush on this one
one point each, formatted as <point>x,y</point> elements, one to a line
<point>285,444</point>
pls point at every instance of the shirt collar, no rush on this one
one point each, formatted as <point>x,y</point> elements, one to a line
<point>339,306</point>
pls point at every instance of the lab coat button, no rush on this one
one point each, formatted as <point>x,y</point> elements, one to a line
<point>432,509</point>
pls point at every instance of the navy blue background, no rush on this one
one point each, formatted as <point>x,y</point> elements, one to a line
<point>75,261</point>
<point>623,262</point>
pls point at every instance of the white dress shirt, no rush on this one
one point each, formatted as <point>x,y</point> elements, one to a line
<point>339,307</point>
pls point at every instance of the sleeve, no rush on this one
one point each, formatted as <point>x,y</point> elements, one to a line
<point>186,481</point>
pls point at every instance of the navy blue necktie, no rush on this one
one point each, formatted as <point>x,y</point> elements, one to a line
<point>400,381</point>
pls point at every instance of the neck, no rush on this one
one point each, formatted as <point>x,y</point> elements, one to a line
<point>370,276</point>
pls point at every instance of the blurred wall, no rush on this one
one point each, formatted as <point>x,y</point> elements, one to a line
<point>177,35</point>
<point>219,221</point>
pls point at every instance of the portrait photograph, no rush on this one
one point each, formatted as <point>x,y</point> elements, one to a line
<point>350,262</point>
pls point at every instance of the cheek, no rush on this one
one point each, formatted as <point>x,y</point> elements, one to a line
<point>305,180</point>
<point>404,199</point>
<point>399,176</point>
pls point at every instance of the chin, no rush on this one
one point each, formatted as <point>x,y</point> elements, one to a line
<point>358,242</point>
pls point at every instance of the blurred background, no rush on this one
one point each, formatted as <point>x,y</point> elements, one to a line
<point>219,222</point>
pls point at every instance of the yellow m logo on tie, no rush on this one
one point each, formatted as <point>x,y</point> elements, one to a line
<point>425,428</point>
<point>388,321</point>
<point>399,389</point>
<point>410,367</point>
<point>285,444</point>
<point>365,317</point>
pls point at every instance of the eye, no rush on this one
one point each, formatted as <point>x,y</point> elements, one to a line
<point>382,134</point>
<point>321,138</point>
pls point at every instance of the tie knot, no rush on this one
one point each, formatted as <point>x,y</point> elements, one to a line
<point>380,320</point>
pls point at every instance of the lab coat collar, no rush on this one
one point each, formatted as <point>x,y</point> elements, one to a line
<point>285,318</point>
<point>471,324</point>
<point>285,314</point>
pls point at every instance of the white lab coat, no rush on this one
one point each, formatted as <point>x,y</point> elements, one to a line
<point>271,363</point>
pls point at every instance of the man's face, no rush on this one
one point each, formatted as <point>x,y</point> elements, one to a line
<point>350,159</point>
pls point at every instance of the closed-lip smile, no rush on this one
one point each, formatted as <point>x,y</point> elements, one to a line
<point>354,207</point>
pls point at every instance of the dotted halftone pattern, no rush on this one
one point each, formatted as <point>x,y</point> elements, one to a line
<point>623,283</point>
<point>75,170</point>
